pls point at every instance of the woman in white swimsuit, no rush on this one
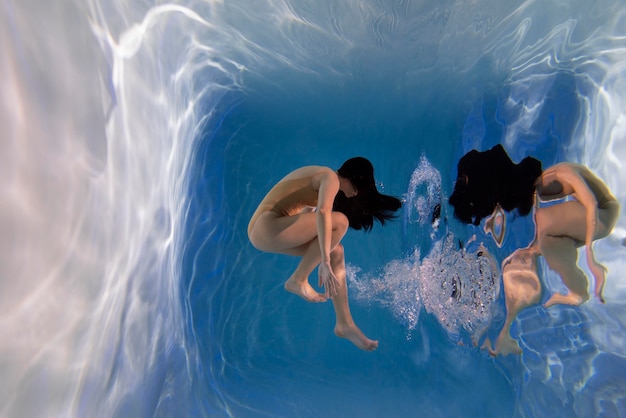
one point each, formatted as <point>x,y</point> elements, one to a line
<point>306,214</point>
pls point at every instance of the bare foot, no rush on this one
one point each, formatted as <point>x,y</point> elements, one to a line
<point>505,345</point>
<point>569,299</point>
<point>304,290</point>
<point>354,334</point>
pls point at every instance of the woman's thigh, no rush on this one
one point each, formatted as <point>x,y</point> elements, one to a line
<point>274,233</point>
<point>569,219</point>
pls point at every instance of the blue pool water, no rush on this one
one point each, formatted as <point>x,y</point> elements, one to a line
<point>140,136</point>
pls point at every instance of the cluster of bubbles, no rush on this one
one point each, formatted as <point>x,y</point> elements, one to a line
<point>423,198</point>
<point>457,284</point>
<point>396,288</point>
<point>460,286</point>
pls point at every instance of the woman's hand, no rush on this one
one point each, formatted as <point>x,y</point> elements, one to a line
<point>327,279</point>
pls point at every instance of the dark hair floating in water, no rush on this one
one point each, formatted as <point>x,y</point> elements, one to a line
<point>368,204</point>
<point>488,178</point>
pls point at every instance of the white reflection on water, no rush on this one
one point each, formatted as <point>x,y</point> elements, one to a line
<point>97,133</point>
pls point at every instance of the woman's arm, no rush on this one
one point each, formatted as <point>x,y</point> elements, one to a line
<point>328,186</point>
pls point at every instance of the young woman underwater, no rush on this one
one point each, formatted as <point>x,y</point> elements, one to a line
<point>306,214</point>
<point>586,210</point>
<point>571,208</point>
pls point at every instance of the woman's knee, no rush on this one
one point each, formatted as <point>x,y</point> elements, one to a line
<point>608,215</point>
<point>257,240</point>
<point>337,253</point>
<point>340,222</point>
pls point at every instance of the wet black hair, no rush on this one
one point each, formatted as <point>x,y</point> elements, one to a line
<point>368,204</point>
<point>488,178</point>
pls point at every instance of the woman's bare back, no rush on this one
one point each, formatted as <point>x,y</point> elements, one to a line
<point>293,193</point>
<point>553,183</point>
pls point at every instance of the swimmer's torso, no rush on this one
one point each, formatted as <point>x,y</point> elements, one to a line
<point>551,186</point>
<point>295,192</point>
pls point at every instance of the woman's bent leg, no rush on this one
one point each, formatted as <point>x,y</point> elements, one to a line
<point>561,228</point>
<point>298,282</point>
<point>345,326</point>
<point>296,235</point>
<point>607,216</point>
<point>561,256</point>
<point>274,233</point>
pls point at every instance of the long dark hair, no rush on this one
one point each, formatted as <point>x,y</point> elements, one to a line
<point>368,204</point>
<point>488,178</point>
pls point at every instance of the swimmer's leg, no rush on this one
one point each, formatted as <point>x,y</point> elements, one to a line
<point>298,282</point>
<point>607,217</point>
<point>345,326</point>
<point>561,255</point>
<point>505,344</point>
<point>569,220</point>
<point>522,289</point>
